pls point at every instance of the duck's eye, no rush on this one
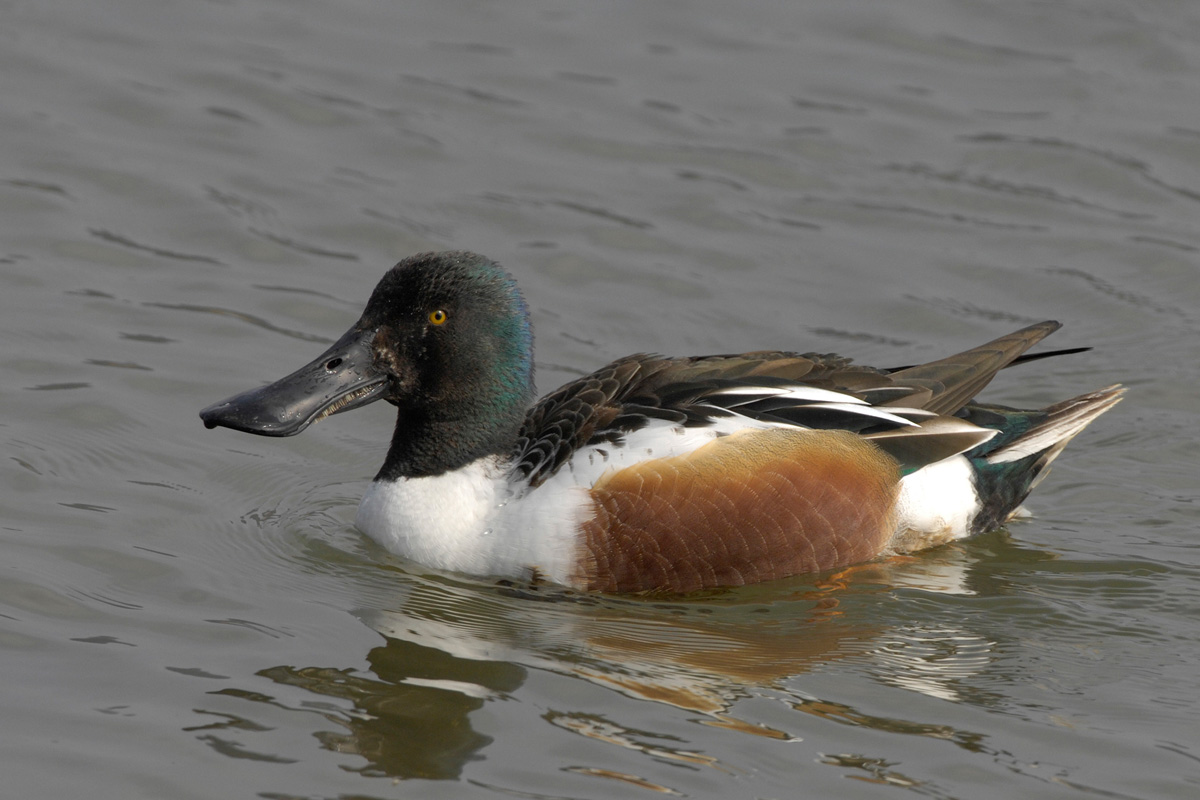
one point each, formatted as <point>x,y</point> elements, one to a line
<point>437,317</point>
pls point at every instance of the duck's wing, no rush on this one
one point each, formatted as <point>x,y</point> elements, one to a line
<point>953,381</point>
<point>906,411</point>
<point>589,410</point>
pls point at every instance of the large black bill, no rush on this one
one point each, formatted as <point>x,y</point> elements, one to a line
<point>341,378</point>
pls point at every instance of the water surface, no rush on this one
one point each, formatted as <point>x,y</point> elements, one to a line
<point>197,197</point>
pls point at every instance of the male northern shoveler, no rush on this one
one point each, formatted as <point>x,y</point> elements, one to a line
<point>654,473</point>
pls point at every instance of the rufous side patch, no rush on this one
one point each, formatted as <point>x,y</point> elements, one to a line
<point>750,507</point>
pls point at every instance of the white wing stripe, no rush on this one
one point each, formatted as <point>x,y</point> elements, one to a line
<point>811,394</point>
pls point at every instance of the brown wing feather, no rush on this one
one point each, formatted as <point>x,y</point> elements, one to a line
<point>954,380</point>
<point>583,411</point>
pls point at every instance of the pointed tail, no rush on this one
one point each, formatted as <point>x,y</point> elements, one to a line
<point>1011,464</point>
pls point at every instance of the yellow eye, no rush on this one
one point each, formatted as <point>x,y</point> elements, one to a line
<point>437,317</point>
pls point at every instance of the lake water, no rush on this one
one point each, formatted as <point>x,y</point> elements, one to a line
<point>197,197</point>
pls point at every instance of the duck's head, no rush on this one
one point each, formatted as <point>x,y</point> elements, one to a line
<point>445,337</point>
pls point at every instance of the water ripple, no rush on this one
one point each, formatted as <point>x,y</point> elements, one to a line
<point>1124,162</point>
<point>988,183</point>
<point>115,238</point>
<point>256,321</point>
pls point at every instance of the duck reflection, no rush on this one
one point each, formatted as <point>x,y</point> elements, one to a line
<point>412,718</point>
<point>451,648</point>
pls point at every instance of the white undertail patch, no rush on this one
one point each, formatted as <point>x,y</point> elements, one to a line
<point>936,505</point>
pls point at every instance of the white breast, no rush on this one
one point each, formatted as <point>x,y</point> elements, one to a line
<point>441,521</point>
<point>471,521</point>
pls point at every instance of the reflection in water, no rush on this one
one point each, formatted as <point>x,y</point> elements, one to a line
<point>412,720</point>
<point>452,648</point>
<point>931,660</point>
<point>600,729</point>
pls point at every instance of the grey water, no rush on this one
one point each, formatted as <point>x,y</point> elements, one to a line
<point>195,198</point>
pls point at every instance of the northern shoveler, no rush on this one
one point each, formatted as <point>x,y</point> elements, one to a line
<point>655,473</point>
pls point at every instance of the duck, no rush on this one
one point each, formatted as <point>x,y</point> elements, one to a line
<point>658,474</point>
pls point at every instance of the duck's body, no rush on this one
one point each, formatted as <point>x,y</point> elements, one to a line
<point>657,473</point>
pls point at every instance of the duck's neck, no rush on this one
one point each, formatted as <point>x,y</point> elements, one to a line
<point>428,442</point>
